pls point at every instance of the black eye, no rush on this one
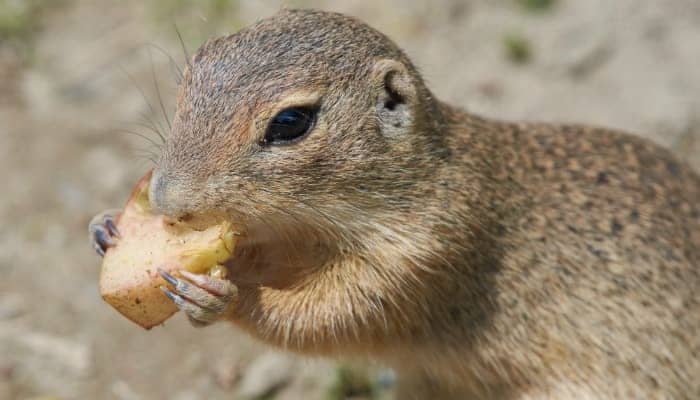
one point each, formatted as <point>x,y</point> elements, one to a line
<point>290,124</point>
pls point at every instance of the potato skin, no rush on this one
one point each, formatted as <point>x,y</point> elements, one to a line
<point>129,279</point>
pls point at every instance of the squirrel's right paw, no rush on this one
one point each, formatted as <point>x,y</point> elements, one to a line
<point>103,231</point>
<point>203,298</point>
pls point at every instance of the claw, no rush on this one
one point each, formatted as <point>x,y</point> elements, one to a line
<point>181,286</point>
<point>100,251</point>
<point>218,287</point>
<point>103,238</point>
<point>177,299</point>
<point>202,316</point>
<point>103,232</point>
<point>112,227</point>
<point>168,278</point>
<point>196,294</point>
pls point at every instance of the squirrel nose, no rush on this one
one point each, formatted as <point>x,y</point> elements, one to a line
<point>163,196</point>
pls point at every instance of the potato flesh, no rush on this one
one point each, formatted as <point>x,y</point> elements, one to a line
<point>129,279</point>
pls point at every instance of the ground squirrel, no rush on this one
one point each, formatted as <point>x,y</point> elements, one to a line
<point>476,257</point>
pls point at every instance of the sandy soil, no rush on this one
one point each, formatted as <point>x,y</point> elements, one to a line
<point>71,87</point>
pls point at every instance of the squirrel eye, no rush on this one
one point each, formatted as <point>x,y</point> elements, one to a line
<point>289,124</point>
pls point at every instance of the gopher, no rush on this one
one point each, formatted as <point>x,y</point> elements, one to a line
<point>479,258</point>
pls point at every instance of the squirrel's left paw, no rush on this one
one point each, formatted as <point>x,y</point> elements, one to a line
<point>203,298</point>
<point>103,231</point>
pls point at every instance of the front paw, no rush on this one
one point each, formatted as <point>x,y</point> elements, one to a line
<point>103,231</point>
<point>203,298</point>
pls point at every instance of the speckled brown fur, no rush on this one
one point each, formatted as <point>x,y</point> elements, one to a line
<point>516,261</point>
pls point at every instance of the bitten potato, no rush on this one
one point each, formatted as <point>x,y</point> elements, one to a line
<point>129,279</point>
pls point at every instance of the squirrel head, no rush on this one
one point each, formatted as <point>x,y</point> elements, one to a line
<point>316,135</point>
<point>306,117</point>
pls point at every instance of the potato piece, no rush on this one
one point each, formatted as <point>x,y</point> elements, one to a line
<point>129,279</point>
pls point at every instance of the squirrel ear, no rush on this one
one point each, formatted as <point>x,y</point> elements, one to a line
<point>396,96</point>
<point>395,81</point>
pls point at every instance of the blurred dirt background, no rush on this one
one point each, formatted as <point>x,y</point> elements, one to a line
<point>77,75</point>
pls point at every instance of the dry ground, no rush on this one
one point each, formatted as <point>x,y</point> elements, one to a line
<point>69,78</point>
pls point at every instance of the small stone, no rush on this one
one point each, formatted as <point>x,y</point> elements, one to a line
<point>265,375</point>
<point>386,378</point>
<point>227,373</point>
<point>71,355</point>
<point>122,391</point>
<point>11,305</point>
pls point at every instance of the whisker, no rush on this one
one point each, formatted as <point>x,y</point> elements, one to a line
<point>172,62</point>
<point>149,123</point>
<point>138,87</point>
<point>157,86</point>
<point>145,99</point>
<point>184,48</point>
<point>140,135</point>
<point>145,154</point>
<point>147,157</point>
